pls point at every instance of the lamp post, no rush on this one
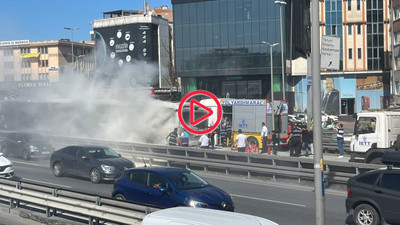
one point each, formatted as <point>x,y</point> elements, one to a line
<point>282,3</point>
<point>272,81</point>
<point>72,40</point>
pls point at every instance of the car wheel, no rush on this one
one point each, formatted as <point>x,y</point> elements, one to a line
<point>253,141</point>
<point>57,169</point>
<point>26,155</point>
<point>366,215</point>
<point>94,176</point>
<point>120,197</point>
<point>376,161</point>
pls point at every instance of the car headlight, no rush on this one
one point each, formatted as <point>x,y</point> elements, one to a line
<point>107,168</point>
<point>197,204</point>
<point>33,148</point>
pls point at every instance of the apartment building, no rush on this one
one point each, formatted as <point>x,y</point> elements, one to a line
<point>363,80</point>
<point>39,64</point>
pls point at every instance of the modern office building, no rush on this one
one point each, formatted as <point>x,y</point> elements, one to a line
<point>220,45</point>
<point>33,65</point>
<point>363,80</point>
<point>134,48</point>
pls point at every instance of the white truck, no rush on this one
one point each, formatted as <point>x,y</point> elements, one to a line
<point>374,133</point>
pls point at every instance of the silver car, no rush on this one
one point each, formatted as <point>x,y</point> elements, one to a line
<point>6,167</point>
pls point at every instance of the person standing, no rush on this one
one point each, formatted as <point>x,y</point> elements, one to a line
<point>340,137</point>
<point>311,137</point>
<point>172,137</point>
<point>222,134</point>
<point>228,130</point>
<point>212,139</point>
<point>264,137</point>
<point>241,141</point>
<point>305,140</point>
<point>203,141</point>
<point>185,138</point>
<point>294,140</point>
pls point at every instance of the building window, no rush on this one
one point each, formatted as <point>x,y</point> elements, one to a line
<point>43,76</point>
<point>359,53</point>
<point>358,28</point>
<point>9,78</point>
<point>350,53</point>
<point>8,52</point>
<point>358,4</point>
<point>43,50</point>
<point>26,77</point>
<point>43,63</point>
<point>349,29</point>
<point>25,64</point>
<point>333,29</point>
<point>349,5</point>
<point>8,65</point>
<point>25,50</point>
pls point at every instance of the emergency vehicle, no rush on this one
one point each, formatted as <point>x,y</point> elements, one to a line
<point>248,114</point>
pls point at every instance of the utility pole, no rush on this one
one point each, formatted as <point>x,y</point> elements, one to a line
<point>72,41</point>
<point>316,89</point>
<point>281,5</point>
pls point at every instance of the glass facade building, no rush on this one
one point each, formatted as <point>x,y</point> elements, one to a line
<point>218,45</point>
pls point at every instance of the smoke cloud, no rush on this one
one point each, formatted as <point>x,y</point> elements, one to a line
<point>114,103</point>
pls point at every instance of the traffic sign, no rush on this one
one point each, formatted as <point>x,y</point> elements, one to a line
<point>192,120</point>
<point>330,52</point>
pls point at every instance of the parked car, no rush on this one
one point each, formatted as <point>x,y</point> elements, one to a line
<point>26,145</point>
<point>95,162</point>
<point>373,197</point>
<point>190,216</point>
<point>293,119</point>
<point>166,187</point>
<point>301,117</point>
<point>329,118</point>
<point>6,167</point>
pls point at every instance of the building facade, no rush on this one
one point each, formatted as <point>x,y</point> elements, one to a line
<point>39,64</point>
<point>220,45</point>
<point>395,33</point>
<point>363,80</point>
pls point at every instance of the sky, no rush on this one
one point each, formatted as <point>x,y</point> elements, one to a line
<point>40,20</point>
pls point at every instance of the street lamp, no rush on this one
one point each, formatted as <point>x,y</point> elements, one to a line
<point>72,40</point>
<point>282,3</point>
<point>272,81</point>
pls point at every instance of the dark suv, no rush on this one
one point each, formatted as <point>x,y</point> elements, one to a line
<point>373,198</point>
<point>26,145</point>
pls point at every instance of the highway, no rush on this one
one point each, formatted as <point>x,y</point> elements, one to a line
<point>284,203</point>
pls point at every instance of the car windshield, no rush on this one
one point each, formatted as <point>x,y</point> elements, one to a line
<point>184,180</point>
<point>102,153</point>
<point>33,137</point>
<point>365,125</point>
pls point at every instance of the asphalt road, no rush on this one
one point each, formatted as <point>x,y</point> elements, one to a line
<point>284,203</point>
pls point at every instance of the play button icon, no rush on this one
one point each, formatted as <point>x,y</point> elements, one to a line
<point>196,108</point>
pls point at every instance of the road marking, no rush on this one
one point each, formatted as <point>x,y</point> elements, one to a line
<point>46,182</point>
<point>269,200</point>
<point>30,164</point>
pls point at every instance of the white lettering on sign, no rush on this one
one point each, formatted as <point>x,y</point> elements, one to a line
<point>11,43</point>
<point>242,102</point>
<point>121,48</point>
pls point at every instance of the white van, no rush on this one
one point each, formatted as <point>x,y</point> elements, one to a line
<point>201,216</point>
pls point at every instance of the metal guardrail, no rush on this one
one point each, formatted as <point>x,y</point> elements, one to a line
<point>56,201</point>
<point>245,164</point>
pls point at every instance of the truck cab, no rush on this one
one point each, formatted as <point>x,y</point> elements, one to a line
<point>374,133</point>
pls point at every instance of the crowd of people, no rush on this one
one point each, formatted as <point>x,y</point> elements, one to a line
<point>300,138</point>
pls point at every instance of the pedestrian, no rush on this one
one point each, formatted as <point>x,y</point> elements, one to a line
<point>311,138</point>
<point>275,142</point>
<point>264,137</point>
<point>172,137</point>
<point>241,141</point>
<point>185,138</point>
<point>340,136</point>
<point>305,140</point>
<point>222,134</point>
<point>203,141</point>
<point>294,140</point>
<point>212,139</point>
<point>228,130</point>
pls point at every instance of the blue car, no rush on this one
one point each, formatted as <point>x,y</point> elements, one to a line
<point>169,187</point>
